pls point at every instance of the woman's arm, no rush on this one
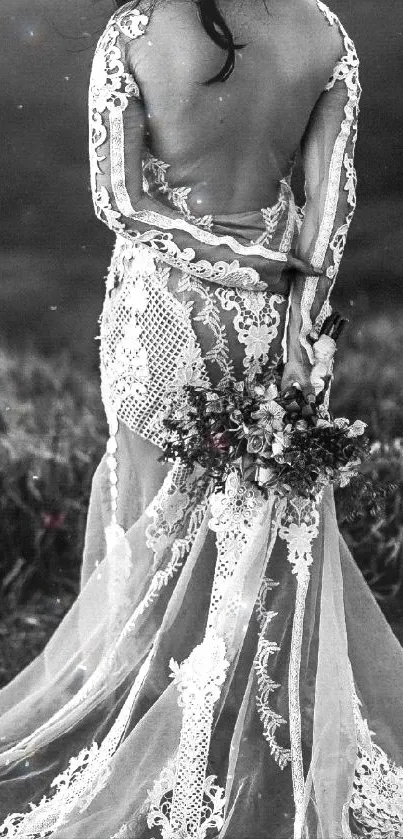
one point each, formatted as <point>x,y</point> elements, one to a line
<point>117,147</point>
<point>330,182</point>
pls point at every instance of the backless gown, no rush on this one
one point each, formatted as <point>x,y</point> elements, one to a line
<point>225,670</point>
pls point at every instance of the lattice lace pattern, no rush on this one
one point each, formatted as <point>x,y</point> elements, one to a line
<point>141,316</point>
<point>191,810</point>
<point>147,340</point>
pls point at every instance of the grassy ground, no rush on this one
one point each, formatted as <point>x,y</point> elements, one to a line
<point>52,435</point>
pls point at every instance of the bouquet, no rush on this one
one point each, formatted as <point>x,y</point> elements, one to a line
<point>281,443</point>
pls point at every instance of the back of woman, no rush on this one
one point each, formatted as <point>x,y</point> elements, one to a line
<point>233,142</point>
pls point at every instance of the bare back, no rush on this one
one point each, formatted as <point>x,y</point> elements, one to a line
<point>233,142</point>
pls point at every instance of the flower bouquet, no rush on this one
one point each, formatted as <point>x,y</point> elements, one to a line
<point>282,444</point>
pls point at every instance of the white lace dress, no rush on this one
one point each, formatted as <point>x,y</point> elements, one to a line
<point>225,671</point>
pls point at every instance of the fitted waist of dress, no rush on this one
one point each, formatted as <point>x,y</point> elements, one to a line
<point>272,229</point>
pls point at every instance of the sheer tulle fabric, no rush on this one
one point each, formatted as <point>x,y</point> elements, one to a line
<point>109,677</point>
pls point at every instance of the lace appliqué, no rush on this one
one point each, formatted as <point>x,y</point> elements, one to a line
<point>236,513</point>
<point>176,512</point>
<point>272,215</point>
<point>346,71</point>
<point>199,680</point>
<point>135,374</point>
<point>271,720</point>
<point>299,527</point>
<point>377,800</point>
<point>210,317</point>
<point>160,798</point>
<point>256,322</point>
<point>85,776</point>
<point>177,196</point>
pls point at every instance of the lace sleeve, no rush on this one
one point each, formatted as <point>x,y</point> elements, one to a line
<point>117,134</point>
<point>330,182</point>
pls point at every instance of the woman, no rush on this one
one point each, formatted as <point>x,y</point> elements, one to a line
<point>225,670</point>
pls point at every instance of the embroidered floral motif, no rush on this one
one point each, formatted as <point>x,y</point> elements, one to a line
<point>299,527</point>
<point>271,720</point>
<point>236,514</point>
<point>256,322</point>
<point>377,799</point>
<point>177,196</point>
<point>76,787</point>
<point>330,240</point>
<point>199,680</point>
<point>176,513</point>
<point>160,807</point>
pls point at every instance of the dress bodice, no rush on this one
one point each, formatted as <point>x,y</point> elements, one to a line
<point>133,196</point>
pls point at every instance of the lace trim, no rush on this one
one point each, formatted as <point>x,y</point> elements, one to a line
<point>272,215</point>
<point>177,196</point>
<point>346,71</point>
<point>210,317</point>
<point>85,776</point>
<point>159,800</point>
<point>236,514</point>
<point>307,298</point>
<point>256,322</point>
<point>299,528</point>
<point>292,222</point>
<point>199,680</point>
<point>167,539</point>
<point>377,799</point>
<point>271,720</point>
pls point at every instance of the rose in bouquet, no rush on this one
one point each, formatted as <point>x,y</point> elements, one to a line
<point>280,443</point>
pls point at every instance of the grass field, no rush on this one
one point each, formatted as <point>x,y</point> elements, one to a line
<point>52,435</point>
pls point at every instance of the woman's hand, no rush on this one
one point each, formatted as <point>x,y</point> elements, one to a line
<point>297,372</point>
<point>270,269</point>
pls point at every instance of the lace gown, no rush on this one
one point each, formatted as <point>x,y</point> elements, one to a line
<point>225,670</point>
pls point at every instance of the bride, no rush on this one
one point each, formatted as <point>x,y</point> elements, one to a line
<point>225,671</point>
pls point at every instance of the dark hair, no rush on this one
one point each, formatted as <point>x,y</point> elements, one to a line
<point>219,32</point>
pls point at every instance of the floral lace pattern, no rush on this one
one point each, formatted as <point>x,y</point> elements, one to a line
<point>172,511</point>
<point>270,719</point>
<point>299,527</point>
<point>85,776</point>
<point>236,514</point>
<point>377,800</point>
<point>330,240</point>
<point>160,807</point>
<point>135,374</point>
<point>256,322</point>
<point>199,680</point>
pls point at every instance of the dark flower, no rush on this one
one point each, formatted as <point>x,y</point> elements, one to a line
<point>219,442</point>
<point>53,521</point>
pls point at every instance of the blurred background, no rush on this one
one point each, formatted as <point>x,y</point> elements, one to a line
<point>54,256</point>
